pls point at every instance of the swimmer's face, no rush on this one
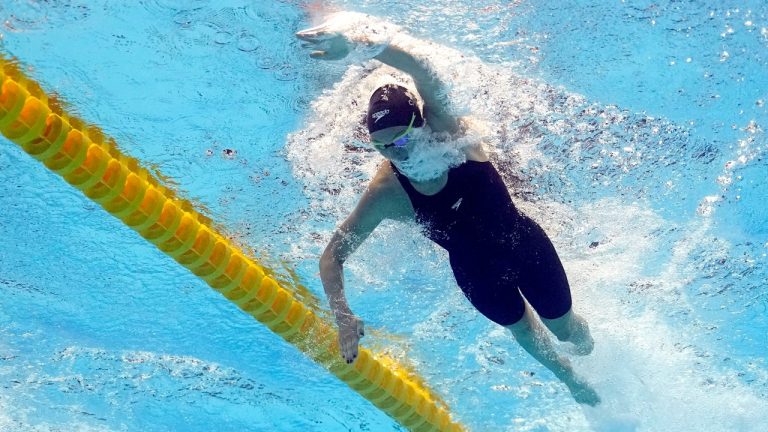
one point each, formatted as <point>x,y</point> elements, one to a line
<point>394,143</point>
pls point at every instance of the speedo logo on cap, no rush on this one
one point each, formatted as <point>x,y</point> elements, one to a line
<point>378,115</point>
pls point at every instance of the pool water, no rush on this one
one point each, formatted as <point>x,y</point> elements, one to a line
<point>632,131</point>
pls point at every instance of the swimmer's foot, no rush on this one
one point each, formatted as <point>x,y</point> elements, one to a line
<point>582,339</point>
<point>583,393</point>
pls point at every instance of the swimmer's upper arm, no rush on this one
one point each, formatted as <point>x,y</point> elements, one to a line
<point>354,230</point>
<point>374,206</point>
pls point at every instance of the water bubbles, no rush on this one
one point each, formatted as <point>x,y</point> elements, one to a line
<point>264,60</point>
<point>286,72</point>
<point>760,103</point>
<point>502,387</point>
<point>707,205</point>
<point>223,37</point>
<point>185,18</point>
<point>748,23</point>
<point>724,56</point>
<point>724,180</point>
<point>247,43</point>
<point>752,127</point>
<point>300,104</point>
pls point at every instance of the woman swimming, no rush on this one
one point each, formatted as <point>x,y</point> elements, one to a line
<point>502,260</point>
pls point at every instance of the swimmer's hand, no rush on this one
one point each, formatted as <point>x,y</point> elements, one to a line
<point>348,32</point>
<point>324,43</point>
<point>351,329</point>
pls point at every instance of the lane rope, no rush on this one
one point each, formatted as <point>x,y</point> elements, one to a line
<point>91,162</point>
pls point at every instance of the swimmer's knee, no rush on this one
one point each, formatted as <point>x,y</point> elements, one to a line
<point>561,327</point>
<point>519,326</point>
<point>523,327</point>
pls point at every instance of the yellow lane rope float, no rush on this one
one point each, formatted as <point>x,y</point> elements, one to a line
<point>89,161</point>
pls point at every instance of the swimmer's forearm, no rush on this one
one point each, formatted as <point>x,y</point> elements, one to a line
<point>399,58</point>
<point>429,86</point>
<point>332,276</point>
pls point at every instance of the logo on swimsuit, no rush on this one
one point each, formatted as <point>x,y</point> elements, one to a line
<point>378,115</point>
<point>456,205</point>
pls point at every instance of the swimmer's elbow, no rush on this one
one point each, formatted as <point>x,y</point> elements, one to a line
<point>330,259</point>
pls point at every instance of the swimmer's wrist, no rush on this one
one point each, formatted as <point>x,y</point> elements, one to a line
<point>390,48</point>
<point>343,314</point>
<point>340,309</point>
<point>365,50</point>
<point>372,44</point>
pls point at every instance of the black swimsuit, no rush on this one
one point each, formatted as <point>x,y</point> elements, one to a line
<point>495,251</point>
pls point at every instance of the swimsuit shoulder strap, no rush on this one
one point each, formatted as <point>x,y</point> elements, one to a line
<point>407,186</point>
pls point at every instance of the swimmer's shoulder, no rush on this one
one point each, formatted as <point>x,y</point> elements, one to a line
<point>476,153</point>
<point>473,152</point>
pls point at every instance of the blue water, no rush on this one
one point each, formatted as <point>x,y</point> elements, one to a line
<point>632,131</point>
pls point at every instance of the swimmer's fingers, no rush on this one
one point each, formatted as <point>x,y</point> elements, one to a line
<point>350,331</point>
<point>331,49</point>
<point>315,38</point>
<point>349,347</point>
<point>316,34</point>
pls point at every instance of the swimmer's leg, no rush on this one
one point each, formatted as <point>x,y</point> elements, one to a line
<point>532,336</point>
<point>572,328</point>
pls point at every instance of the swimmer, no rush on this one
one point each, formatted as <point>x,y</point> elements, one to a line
<point>502,260</point>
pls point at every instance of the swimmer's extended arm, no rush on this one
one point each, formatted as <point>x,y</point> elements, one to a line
<point>370,211</point>
<point>346,32</point>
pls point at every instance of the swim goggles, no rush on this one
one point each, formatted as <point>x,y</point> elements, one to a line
<point>400,140</point>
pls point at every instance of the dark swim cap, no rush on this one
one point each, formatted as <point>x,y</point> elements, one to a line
<point>393,105</point>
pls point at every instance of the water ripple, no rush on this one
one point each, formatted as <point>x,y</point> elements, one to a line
<point>247,42</point>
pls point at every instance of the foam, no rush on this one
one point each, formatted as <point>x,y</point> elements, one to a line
<point>655,371</point>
